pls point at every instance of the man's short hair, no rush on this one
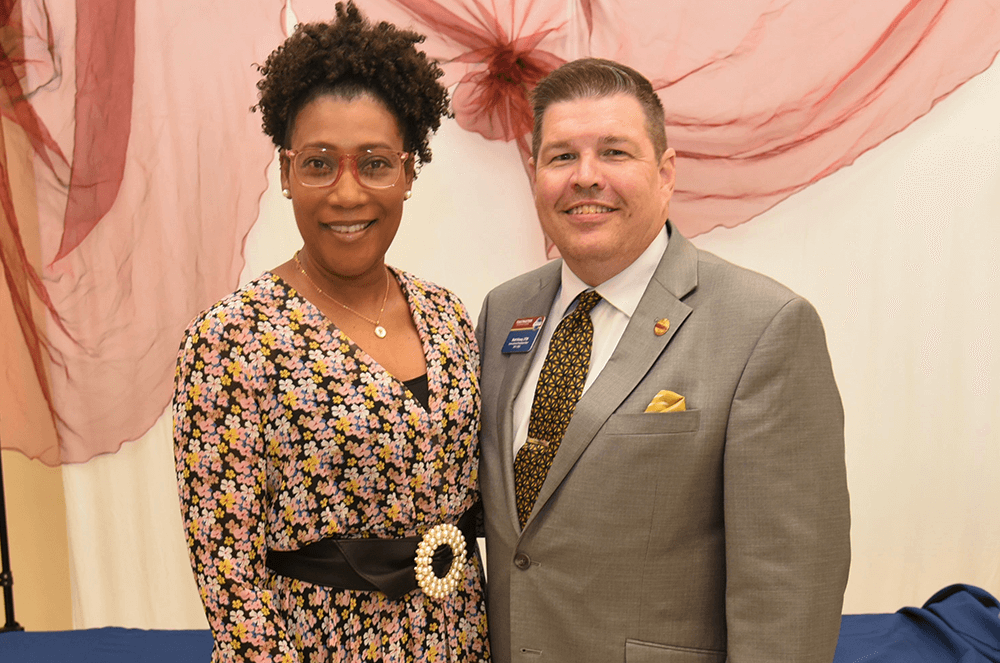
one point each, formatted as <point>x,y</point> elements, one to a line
<point>595,77</point>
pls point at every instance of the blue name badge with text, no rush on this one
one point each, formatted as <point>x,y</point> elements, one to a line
<point>523,335</point>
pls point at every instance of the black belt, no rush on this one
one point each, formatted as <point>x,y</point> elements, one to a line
<point>384,565</point>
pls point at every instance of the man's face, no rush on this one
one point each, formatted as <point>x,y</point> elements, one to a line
<point>601,193</point>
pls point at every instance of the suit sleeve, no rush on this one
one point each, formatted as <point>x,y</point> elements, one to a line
<point>786,503</point>
<point>481,325</point>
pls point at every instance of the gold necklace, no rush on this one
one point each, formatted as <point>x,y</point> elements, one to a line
<point>379,329</point>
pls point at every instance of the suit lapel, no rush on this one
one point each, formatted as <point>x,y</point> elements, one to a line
<point>516,369</point>
<point>635,354</point>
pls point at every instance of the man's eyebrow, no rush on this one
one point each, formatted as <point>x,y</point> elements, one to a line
<point>614,140</point>
<point>610,139</point>
<point>558,145</point>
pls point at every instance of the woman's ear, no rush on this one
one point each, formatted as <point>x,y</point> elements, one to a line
<point>410,170</point>
<point>286,165</point>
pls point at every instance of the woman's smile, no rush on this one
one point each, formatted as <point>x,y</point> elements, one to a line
<point>343,229</point>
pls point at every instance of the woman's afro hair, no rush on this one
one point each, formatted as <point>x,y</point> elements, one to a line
<point>351,55</point>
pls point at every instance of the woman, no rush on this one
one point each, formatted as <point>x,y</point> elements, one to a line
<point>326,413</point>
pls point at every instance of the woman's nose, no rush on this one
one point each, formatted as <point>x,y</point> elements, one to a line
<point>347,192</point>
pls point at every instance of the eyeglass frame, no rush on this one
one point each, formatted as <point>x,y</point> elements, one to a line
<point>404,157</point>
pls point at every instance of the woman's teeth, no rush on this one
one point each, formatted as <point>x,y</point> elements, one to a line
<point>357,227</point>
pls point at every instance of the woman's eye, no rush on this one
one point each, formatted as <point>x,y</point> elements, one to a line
<point>376,163</point>
<point>316,164</point>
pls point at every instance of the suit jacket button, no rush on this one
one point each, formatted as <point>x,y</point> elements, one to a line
<point>522,561</point>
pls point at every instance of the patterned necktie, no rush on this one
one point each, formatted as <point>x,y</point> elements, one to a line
<point>560,384</point>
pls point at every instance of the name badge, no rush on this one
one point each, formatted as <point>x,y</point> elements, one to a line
<point>523,335</point>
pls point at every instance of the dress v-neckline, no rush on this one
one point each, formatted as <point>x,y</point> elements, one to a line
<point>359,352</point>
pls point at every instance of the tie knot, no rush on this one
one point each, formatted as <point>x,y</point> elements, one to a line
<point>588,300</point>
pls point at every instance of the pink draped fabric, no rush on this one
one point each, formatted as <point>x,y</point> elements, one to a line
<point>493,52</point>
<point>762,97</point>
<point>148,166</point>
<point>105,57</point>
<point>27,409</point>
<point>168,165</point>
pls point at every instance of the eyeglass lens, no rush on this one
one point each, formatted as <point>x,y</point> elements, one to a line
<point>374,168</point>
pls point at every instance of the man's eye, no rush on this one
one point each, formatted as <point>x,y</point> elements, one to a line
<point>615,154</point>
<point>565,156</point>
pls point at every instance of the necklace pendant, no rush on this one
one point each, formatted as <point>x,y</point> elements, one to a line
<point>380,331</point>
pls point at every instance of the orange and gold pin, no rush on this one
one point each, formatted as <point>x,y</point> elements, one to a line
<point>661,327</point>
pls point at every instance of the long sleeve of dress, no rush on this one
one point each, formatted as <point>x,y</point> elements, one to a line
<point>220,462</point>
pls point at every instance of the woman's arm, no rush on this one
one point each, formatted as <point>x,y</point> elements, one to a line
<point>220,461</point>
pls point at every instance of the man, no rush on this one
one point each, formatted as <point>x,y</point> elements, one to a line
<point>692,505</point>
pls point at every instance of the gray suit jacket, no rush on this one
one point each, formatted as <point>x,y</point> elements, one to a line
<point>716,534</point>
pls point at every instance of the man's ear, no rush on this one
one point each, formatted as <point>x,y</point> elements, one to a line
<point>532,172</point>
<point>668,172</point>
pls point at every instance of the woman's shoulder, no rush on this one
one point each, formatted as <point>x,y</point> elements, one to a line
<point>241,307</point>
<point>428,289</point>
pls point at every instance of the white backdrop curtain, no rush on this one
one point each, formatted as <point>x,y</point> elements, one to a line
<point>897,252</point>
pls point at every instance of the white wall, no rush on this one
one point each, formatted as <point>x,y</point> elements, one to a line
<point>898,254</point>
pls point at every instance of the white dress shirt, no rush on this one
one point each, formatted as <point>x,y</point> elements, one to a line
<point>619,297</point>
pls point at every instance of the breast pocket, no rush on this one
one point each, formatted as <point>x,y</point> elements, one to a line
<point>653,423</point>
<point>637,651</point>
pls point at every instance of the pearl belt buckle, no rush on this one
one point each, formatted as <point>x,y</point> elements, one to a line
<point>428,581</point>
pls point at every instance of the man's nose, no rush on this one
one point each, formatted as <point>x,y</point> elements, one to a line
<point>587,172</point>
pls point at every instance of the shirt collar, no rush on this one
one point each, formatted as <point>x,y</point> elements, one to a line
<point>624,290</point>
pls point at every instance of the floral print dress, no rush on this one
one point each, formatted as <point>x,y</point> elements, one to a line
<point>286,432</point>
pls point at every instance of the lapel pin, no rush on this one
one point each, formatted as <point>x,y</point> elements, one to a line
<point>661,326</point>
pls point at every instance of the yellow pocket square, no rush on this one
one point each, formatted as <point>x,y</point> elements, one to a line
<point>666,401</point>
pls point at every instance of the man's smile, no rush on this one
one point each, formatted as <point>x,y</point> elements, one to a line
<point>589,209</point>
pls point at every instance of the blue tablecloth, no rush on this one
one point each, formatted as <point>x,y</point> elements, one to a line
<point>959,624</point>
<point>106,645</point>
